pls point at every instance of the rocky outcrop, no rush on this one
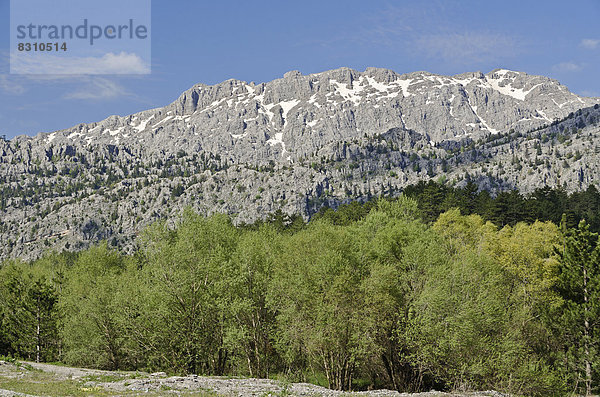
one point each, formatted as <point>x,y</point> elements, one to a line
<point>113,382</point>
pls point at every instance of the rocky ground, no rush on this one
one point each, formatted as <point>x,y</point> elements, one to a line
<point>29,379</point>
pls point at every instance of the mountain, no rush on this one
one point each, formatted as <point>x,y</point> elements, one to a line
<point>294,144</point>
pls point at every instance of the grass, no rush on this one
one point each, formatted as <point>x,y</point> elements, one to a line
<point>43,383</point>
<point>37,383</point>
<point>17,363</point>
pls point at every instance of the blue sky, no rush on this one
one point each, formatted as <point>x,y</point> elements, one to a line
<point>208,42</point>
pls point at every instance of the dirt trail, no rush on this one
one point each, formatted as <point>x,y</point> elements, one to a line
<point>63,372</point>
<point>127,382</point>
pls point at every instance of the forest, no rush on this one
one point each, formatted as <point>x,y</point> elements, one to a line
<point>440,288</point>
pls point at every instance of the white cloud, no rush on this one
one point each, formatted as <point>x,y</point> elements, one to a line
<point>76,86</point>
<point>433,29</point>
<point>87,87</point>
<point>590,43</point>
<point>46,64</point>
<point>567,67</point>
<point>464,48</point>
<point>7,84</point>
<point>97,88</point>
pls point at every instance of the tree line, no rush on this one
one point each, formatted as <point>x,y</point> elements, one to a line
<point>371,296</point>
<point>505,208</point>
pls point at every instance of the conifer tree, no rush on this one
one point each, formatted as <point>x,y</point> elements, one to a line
<point>579,287</point>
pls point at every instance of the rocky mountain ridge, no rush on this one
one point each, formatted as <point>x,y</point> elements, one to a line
<point>291,117</point>
<point>294,144</point>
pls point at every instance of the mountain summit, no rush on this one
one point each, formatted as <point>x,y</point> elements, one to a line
<point>288,118</point>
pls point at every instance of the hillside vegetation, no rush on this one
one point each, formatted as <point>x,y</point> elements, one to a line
<point>384,294</point>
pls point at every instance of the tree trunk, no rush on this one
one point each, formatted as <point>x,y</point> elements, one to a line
<point>38,333</point>
<point>327,371</point>
<point>586,340</point>
<point>389,367</point>
<point>250,366</point>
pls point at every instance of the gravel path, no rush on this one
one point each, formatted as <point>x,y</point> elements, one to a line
<point>259,387</point>
<point>71,373</point>
<point>141,382</point>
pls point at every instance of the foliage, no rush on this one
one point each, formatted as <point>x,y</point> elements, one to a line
<point>28,308</point>
<point>90,328</point>
<point>386,294</point>
<point>509,207</point>
<point>579,286</point>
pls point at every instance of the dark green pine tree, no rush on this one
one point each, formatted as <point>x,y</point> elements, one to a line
<point>578,284</point>
<point>509,208</point>
<point>430,201</point>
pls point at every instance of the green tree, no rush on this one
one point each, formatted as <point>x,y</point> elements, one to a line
<point>315,291</point>
<point>90,313</point>
<point>398,249</point>
<point>482,319</point>
<point>579,285</point>
<point>28,298</point>
<point>248,278</point>
<point>180,316</point>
